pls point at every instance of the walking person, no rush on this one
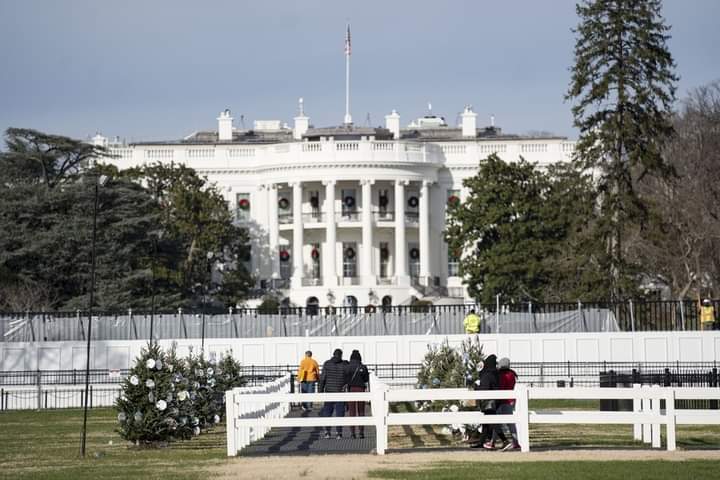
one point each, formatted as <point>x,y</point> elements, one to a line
<point>488,380</point>
<point>308,374</point>
<point>506,381</point>
<point>334,379</point>
<point>358,379</point>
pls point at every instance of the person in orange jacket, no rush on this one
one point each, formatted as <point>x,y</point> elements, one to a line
<point>308,374</point>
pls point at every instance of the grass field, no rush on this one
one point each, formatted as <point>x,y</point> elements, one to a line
<point>46,445</point>
<point>635,470</point>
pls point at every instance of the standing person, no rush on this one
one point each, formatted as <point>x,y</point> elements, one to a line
<point>707,315</point>
<point>488,380</point>
<point>472,322</point>
<point>333,379</point>
<point>506,381</point>
<point>358,377</point>
<point>308,374</point>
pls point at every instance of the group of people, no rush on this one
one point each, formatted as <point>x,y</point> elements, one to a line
<point>337,375</point>
<point>497,375</point>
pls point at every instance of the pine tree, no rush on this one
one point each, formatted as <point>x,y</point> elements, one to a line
<point>202,382</point>
<point>181,408</point>
<point>446,367</point>
<point>147,392</point>
<point>623,87</point>
<point>228,375</point>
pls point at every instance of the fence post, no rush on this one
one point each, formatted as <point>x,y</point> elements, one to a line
<point>671,420</point>
<point>682,314</point>
<point>182,321</point>
<point>645,407</point>
<point>637,407</point>
<point>379,408</point>
<point>632,317</point>
<point>522,412</point>
<point>38,382</point>
<point>497,313</point>
<point>656,393</point>
<point>230,422</point>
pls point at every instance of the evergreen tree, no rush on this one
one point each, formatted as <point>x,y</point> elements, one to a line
<point>623,88</point>
<point>202,383</point>
<point>516,219</point>
<point>147,392</point>
<point>228,375</point>
<point>182,407</point>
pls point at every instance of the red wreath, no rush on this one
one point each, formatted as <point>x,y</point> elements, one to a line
<point>349,253</point>
<point>413,202</point>
<point>315,253</point>
<point>244,204</point>
<point>283,203</point>
<point>349,201</point>
<point>453,200</point>
<point>414,253</point>
<point>284,255</point>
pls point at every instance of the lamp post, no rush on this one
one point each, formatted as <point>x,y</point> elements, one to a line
<point>206,291</point>
<point>99,181</point>
<point>156,239</point>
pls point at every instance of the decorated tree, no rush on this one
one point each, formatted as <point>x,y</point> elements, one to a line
<point>147,392</point>
<point>202,383</point>
<point>448,367</point>
<point>181,407</point>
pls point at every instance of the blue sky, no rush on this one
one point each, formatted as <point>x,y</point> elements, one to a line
<point>161,69</point>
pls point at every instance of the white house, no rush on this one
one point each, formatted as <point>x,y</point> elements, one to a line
<point>346,215</point>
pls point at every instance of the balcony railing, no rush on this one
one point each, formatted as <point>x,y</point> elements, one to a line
<point>412,217</point>
<point>349,281</point>
<point>285,218</point>
<point>348,216</point>
<point>312,282</point>
<point>384,216</point>
<point>313,217</point>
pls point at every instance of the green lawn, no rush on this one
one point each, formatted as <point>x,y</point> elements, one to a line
<point>640,470</point>
<point>46,445</point>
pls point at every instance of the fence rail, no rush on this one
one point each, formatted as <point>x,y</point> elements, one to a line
<point>341,321</point>
<point>252,412</point>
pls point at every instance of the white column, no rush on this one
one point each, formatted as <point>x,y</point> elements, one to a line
<point>297,251</point>
<point>367,233</point>
<point>330,255</point>
<point>400,243</point>
<point>273,230</point>
<point>424,232</point>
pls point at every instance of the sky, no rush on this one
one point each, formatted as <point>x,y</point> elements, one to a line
<point>160,70</point>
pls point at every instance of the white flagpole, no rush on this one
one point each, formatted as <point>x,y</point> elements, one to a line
<point>348,118</point>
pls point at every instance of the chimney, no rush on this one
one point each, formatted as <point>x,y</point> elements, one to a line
<point>225,128</point>
<point>301,121</point>
<point>469,122</point>
<point>392,123</point>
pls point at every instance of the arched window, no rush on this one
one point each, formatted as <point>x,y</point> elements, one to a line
<point>387,303</point>
<point>351,303</point>
<point>312,306</point>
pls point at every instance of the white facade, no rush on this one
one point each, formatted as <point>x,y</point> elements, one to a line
<point>346,215</point>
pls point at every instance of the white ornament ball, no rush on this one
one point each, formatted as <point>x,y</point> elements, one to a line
<point>183,395</point>
<point>121,417</point>
<point>150,363</point>
<point>216,419</point>
<point>454,408</point>
<point>161,405</point>
<point>135,380</point>
<point>149,383</point>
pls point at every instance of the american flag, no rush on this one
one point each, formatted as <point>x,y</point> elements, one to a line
<point>347,41</point>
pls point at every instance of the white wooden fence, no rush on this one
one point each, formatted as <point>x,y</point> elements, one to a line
<point>252,411</point>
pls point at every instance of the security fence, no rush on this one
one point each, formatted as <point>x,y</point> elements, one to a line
<point>346,321</point>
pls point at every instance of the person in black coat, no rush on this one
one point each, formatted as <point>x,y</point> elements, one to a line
<point>489,380</point>
<point>358,377</point>
<point>333,379</point>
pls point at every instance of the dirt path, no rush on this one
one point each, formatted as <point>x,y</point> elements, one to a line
<point>357,466</point>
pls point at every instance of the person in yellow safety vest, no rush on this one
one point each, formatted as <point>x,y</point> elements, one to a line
<point>472,322</point>
<point>707,315</point>
<point>308,374</point>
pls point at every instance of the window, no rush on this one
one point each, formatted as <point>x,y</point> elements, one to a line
<point>384,259</point>
<point>315,257</point>
<point>414,259</point>
<point>242,207</point>
<point>453,262</point>
<point>349,204</point>
<point>349,259</point>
